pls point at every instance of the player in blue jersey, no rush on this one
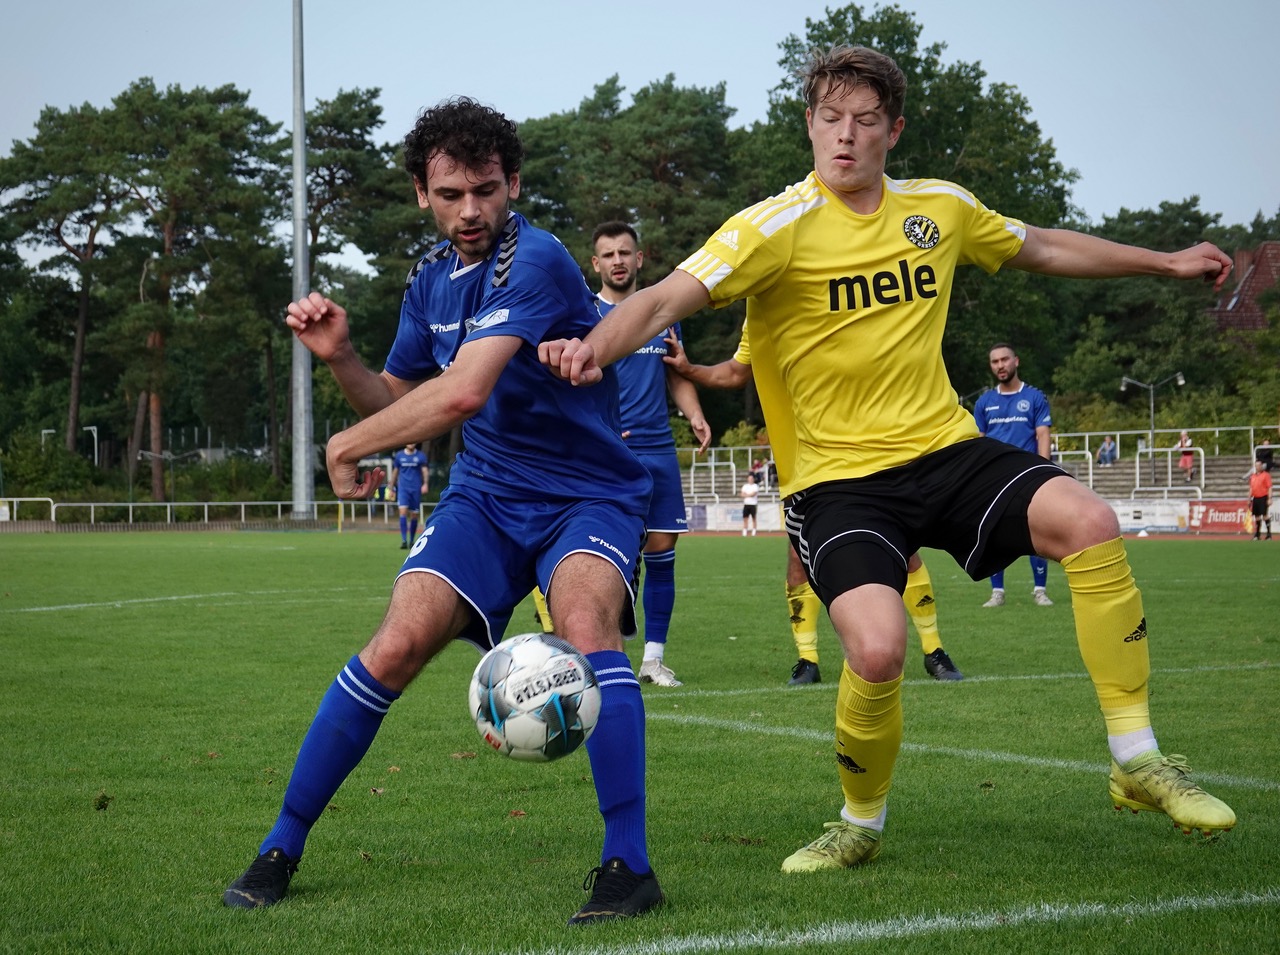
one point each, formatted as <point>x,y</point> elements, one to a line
<point>643,382</point>
<point>1018,414</point>
<point>409,476</point>
<point>546,492</point>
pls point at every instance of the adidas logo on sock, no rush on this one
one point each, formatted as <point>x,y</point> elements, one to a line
<point>1138,634</point>
<point>925,601</point>
<point>848,763</point>
<point>729,237</point>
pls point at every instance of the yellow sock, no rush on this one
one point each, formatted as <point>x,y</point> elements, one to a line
<point>923,609</point>
<point>544,615</point>
<point>868,737</point>
<point>804,606</point>
<point>1112,633</point>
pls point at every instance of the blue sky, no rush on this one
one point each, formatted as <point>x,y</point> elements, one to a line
<point>1149,101</point>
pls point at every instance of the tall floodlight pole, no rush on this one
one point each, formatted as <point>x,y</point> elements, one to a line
<point>300,378</point>
<point>1151,387</point>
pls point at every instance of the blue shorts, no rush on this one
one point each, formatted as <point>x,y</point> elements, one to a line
<point>410,497</point>
<point>493,551</point>
<point>666,507</point>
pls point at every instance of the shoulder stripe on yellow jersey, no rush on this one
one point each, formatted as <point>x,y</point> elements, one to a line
<point>706,268</point>
<point>929,187</point>
<point>772,214</point>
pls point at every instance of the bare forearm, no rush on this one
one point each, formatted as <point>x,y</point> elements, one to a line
<point>367,392</point>
<point>727,374</point>
<point>1077,255</point>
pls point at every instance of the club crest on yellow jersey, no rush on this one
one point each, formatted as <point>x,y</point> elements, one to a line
<point>922,231</point>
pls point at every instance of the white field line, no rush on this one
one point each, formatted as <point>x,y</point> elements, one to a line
<point>832,934</point>
<point>978,755</point>
<point>118,604</point>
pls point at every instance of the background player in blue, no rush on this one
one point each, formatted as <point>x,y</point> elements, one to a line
<point>643,381</point>
<point>1018,414</point>
<point>409,476</point>
<point>546,491</point>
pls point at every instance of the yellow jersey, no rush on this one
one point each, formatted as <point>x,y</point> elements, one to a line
<point>845,314</point>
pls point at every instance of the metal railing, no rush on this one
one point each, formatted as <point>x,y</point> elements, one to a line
<point>1195,486</point>
<point>205,512</point>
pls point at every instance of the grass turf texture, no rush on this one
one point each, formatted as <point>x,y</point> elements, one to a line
<point>155,688</point>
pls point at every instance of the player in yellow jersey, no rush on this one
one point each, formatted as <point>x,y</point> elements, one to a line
<point>847,277</point>
<point>802,602</point>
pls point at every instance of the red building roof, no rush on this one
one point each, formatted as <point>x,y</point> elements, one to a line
<point>1256,271</point>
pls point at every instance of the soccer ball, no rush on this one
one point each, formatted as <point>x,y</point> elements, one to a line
<point>534,697</point>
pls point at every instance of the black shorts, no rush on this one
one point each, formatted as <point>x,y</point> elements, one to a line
<point>969,499</point>
<point>749,510</point>
<point>1260,506</point>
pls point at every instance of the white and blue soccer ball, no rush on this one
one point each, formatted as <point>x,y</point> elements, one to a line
<point>534,697</point>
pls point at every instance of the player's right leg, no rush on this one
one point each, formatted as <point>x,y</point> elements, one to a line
<point>1069,523</point>
<point>854,551</point>
<point>423,615</point>
<point>591,593</point>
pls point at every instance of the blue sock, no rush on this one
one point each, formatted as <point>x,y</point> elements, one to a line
<point>997,580</point>
<point>659,594</point>
<point>404,522</point>
<point>413,529</point>
<point>616,749</point>
<point>1039,570</point>
<point>344,726</point>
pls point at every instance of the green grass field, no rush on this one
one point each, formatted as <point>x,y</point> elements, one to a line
<point>155,687</point>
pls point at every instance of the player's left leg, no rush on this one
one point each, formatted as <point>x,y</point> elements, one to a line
<point>404,527</point>
<point>659,600</point>
<point>923,608</point>
<point>664,524</point>
<point>1040,577</point>
<point>1067,522</point>
<point>588,597</point>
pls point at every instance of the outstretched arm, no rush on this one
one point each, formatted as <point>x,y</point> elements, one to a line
<point>638,319</point>
<point>1076,255</point>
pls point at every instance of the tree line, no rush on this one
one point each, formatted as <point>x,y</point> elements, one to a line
<point>145,255</point>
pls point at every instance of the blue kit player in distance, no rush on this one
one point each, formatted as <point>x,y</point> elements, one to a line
<point>643,382</point>
<point>546,491</point>
<point>410,478</point>
<point>1016,413</point>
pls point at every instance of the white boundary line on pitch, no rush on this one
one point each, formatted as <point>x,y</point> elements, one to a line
<point>925,681</point>
<point>978,755</point>
<point>133,601</point>
<point>916,926</point>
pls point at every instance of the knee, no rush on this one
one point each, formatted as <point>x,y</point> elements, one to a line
<point>586,629</point>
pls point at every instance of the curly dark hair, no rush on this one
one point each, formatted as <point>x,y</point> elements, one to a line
<point>465,131</point>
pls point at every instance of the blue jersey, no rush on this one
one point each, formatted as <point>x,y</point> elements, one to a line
<point>409,469</point>
<point>537,437</point>
<point>642,392</point>
<point>1013,418</point>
